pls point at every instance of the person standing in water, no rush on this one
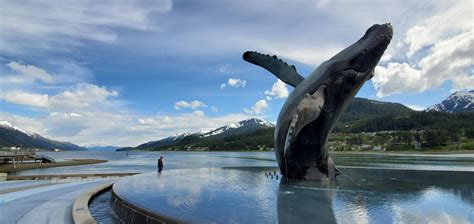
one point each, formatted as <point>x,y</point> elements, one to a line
<point>160,164</point>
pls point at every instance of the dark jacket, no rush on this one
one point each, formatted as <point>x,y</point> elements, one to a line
<point>160,163</point>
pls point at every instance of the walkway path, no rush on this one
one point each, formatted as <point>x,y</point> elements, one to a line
<point>41,201</point>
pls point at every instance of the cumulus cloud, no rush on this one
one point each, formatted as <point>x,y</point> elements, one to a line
<point>435,28</point>
<point>436,52</point>
<point>279,90</point>
<point>83,95</point>
<point>258,108</point>
<point>28,99</point>
<point>193,104</point>
<point>236,83</point>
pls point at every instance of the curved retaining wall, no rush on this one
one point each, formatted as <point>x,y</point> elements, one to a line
<point>80,208</point>
<point>129,213</point>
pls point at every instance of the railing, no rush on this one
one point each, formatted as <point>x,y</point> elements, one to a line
<point>47,158</point>
<point>16,153</point>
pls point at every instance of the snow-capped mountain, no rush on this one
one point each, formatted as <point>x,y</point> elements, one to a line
<point>253,123</point>
<point>456,102</point>
<point>165,141</point>
<point>241,127</point>
<point>6,124</point>
<point>12,136</point>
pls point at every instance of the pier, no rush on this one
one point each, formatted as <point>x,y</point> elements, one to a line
<point>15,157</point>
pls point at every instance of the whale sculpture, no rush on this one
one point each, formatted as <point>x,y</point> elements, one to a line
<point>313,108</point>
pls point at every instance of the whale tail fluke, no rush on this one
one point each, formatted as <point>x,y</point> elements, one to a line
<point>282,70</point>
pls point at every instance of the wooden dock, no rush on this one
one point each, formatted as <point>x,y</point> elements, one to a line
<point>16,156</point>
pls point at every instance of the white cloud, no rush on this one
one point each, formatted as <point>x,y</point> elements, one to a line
<point>452,20</point>
<point>236,83</point>
<point>31,71</point>
<point>437,52</point>
<point>83,95</point>
<point>28,99</point>
<point>279,90</point>
<point>193,104</point>
<point>214,109</point>
<point>257,109</point>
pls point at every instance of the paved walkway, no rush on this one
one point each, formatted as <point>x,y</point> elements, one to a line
<point>41,201</point>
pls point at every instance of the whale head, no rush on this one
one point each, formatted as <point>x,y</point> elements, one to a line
<point>370,48</point>
<point>346,72</point>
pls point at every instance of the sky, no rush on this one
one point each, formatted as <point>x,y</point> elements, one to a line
<point>126,72</point>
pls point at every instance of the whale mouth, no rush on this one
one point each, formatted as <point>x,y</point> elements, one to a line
<point>373,44</point>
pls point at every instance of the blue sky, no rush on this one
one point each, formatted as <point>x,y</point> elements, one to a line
<point>122,73</point>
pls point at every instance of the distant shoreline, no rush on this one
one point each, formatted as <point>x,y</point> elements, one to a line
<point>8,168</point>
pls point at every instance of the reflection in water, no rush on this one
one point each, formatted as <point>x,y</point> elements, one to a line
<point>251,195</point>
<point>419,198</point>
<point>306,202</point>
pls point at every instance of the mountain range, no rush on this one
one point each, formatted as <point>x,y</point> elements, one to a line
<point>222,137</point>
<point>11,136</point>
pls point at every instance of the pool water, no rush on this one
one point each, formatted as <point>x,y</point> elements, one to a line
<point>251,195</point>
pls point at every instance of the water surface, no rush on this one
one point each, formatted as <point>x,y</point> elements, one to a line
<point>119,162</point>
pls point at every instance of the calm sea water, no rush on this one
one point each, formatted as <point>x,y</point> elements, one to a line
<point>146,161</point>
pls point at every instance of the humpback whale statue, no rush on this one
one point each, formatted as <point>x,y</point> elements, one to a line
<point>313,108</point>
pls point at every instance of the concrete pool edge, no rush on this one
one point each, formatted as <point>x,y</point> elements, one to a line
<point>131,213</point>
<point>80,209</point>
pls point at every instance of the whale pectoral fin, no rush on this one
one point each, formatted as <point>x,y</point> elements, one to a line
<point>283,71</point>
<point>307,111</point>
